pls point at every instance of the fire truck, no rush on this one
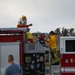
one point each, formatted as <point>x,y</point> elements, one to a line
<point>33,58</point>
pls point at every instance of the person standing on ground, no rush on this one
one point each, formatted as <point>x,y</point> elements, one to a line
<point>13,68</point>
<point>53,46</point>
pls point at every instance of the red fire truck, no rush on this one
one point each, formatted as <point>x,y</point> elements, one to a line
<point>33,57</point>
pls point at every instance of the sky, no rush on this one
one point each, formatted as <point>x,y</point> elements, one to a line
<point>45,15</point>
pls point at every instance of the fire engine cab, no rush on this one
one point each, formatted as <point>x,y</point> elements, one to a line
<point>67,47</point>
<point>33,58</point>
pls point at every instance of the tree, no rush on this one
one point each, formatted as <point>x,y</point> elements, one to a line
<point>65,31</point>
<point>71,31</point>
<point>57,31</point>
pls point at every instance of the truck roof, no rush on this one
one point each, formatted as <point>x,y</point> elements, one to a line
<point>13,30</point>
<point>66,37</point>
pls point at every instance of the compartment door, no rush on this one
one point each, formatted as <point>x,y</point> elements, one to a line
<point>5,50</point>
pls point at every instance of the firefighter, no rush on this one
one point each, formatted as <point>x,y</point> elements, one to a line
<point>53,47</point>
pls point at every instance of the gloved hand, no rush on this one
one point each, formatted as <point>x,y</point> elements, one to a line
<point>30,24</point>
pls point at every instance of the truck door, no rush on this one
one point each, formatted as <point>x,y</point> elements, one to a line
<point>68,58</point>
<point>5,50</point>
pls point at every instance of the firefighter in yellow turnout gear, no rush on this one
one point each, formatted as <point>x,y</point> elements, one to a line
<point>53,47</point>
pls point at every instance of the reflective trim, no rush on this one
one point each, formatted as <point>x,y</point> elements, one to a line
<point>68,69</point>
<point>67,52</point>
<point>62,69</point>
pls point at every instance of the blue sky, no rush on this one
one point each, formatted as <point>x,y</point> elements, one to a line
<point>45,15</point>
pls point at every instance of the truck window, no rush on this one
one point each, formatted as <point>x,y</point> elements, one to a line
<point>70,46</point>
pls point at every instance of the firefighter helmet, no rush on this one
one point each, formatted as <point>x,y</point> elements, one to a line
<point>24,17</point>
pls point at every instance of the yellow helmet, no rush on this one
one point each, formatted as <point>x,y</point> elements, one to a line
<point>23,17</point>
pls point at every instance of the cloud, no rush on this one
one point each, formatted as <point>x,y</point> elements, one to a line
<point>45,15</point>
